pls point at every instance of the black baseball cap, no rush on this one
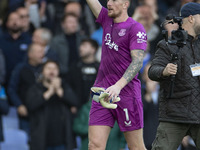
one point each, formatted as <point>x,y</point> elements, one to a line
<point>190,9</point>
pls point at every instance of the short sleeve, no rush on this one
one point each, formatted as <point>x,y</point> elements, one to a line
<point>103,17</point>
<point>138,37</point>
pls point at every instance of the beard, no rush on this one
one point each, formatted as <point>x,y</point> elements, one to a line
<point>15,29</point>
<point>197,29</point>
<point>114,15</point>
<point>85,56</point>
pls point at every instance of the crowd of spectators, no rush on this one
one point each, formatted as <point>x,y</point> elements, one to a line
<point>49,58</point>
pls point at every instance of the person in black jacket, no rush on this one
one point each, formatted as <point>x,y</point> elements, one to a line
<point>48,103</point>
<point>179,113</point>
<point>23,77</point>
<point>82,74</point>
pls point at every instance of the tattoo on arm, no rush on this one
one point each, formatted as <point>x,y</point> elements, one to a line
<point>136,64</point>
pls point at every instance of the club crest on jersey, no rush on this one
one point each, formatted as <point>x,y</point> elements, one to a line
<point>142,37</point>
<point>122,32</point>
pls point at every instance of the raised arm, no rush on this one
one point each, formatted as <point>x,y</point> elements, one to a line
<point>95,6</point>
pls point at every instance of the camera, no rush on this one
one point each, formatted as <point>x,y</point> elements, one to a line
<point>179,36</point>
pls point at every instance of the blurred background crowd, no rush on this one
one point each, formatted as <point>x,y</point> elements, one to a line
<point>49,57</point>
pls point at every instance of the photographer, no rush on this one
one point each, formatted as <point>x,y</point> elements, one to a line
<point>179,107</point>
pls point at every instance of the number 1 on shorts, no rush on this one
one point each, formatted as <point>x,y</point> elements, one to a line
<point>126,114</point>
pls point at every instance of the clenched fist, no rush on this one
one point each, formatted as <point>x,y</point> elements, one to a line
<point>170,69</point>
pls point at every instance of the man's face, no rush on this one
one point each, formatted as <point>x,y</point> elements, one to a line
<point>86,50</point>
<point>36,54</point>
<point>115,8</point>
<point>36,38</point>
<point>24,16</point>
<point>197,24</point>
<point>13,24</point>
<point>146,16</point>
<point>73,8</point>
<point>70,25</point>
<point>50,71</point>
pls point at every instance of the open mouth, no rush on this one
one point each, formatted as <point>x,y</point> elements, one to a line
<point>51,75</point>
<point>110,9</point>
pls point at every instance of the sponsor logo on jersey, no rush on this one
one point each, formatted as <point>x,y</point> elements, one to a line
<point>142,37</point>
<point>108,41</point>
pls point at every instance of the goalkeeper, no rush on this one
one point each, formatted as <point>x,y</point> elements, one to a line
<point>124,42</point>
